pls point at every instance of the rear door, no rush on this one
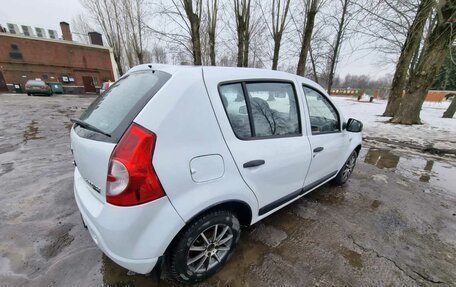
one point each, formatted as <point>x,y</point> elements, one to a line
<point>327,140</point>
<point>261,123</point>
<point>112,113</point>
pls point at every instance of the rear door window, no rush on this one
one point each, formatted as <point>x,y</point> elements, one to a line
<point>261,109</point>
<point>274,109</point>
<point>114,111</point>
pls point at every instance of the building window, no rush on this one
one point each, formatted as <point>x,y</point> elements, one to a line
<point>15,54</point>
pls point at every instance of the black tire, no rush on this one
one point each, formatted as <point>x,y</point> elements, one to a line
<point>29,94</point>
<point>346,170</point>
<point>180,257</point>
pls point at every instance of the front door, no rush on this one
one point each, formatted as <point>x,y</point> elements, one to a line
<point>89,86</point>
<point>266,139</point>
<point>327,139</point>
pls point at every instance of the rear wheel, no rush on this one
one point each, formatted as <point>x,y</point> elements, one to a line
<point>204,247</point>
<point>29,94</point>
<point>344,174</point>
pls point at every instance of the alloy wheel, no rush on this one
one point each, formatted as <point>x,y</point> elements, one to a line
<point>209,248</point>
<point>349,166</point>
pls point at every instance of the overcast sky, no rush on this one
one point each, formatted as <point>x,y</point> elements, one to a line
<point>49,13</point>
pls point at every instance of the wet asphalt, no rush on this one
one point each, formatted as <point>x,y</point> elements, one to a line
<point>392,224</point>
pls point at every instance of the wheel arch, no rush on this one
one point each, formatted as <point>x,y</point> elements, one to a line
<point>239,207</point>
<point>357,149</point>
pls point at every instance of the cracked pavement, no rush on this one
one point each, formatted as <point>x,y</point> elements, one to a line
<point>392,224</point>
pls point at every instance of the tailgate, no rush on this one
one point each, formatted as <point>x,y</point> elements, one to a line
<point>92,158</point>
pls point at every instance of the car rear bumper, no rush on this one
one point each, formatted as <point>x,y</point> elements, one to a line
<point>38,91</point>
<point>133,237</point>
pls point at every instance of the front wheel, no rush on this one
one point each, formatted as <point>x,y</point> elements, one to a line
<point>345,172</point>
<point>204,247</point>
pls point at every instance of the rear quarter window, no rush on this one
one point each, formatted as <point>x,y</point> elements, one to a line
<point>115,110</point>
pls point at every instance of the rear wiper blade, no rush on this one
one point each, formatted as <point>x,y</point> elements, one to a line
<point>88,126</point>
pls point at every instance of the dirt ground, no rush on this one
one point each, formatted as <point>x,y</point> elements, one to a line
<point>392,224</point>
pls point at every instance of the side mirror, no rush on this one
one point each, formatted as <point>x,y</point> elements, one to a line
<point>354,126</point>
<point>243,110</point>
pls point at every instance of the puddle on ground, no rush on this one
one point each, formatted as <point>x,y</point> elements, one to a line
<point>31,133</point>
<point>439,174</point>
<point>234,273</point>
<point>328,195</point>
<point>375,204</point>
<point>353,258</point>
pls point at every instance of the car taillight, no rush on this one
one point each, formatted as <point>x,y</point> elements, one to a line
<point>131,176</point>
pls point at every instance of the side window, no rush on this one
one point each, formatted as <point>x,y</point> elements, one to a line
<point>323,116</point>
<point>274,110</point>
<point>235,106</point>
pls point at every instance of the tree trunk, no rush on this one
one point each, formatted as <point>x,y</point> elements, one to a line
<point>278,26</point>
<point>196,43</point>
<point>434,54</point>
<point>307,37</point>
<point>275,56</point>
<point>335,55</point>
<point>245,56</point>
<point>195,22</point>
<point>449,113</point>
<point>409,48</point>
<point>119,65</point>
<point>242,11</point>
<point>240,45</point>
<point>314,65</point>
<point>211,28</point>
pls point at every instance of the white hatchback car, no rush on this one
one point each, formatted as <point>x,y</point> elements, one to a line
<point>171,161</point>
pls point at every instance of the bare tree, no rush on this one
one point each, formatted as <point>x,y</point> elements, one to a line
<point>194,10</point>
<point>159,54</point>
<point>106,13</point>
<point>436,49</point>
<point>81,28</point>
<point>409,48</point>
<point>183,29</point>
<point>341,27</point>
<point>242,15</point>
<point>312,8</point>
<point>449,113</point>
<point>212,10</point>
<point>279,13</point>
<point>134,13</point>
<point>385,25</point>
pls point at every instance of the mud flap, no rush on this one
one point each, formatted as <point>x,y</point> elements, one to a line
<point>83,223</point>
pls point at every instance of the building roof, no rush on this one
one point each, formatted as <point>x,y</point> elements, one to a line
<point>55,41</point>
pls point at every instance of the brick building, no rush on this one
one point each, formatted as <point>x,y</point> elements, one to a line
<point>79,67</point>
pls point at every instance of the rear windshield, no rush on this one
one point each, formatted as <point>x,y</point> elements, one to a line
<point>32,82</point>
<point>114,111</point>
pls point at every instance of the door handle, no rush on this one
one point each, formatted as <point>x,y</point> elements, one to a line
<point>253,163</point>
<point>318,149</point>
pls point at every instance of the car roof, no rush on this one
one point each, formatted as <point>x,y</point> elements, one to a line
<point>222,73</point>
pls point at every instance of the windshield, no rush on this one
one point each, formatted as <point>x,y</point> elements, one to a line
<point>114,111</point>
